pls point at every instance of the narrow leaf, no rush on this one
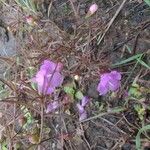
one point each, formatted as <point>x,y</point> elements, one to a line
<point>138,139</point>
<point>135,57</point>
<point>147,2</point>
<point>143,63</point>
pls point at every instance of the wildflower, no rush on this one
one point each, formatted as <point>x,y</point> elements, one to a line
<point>109,82</point>
<point>48,77</point>
<point>93,8</point>
<point>81,108</point>
<point>52,106</point>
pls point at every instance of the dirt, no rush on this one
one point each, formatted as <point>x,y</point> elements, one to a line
<point>63,37</point>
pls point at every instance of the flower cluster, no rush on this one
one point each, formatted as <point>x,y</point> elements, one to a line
<point>48,77</point>
<point>109,82</point>
<point>81,108</point>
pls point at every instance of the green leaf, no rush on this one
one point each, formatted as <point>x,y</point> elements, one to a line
<point>140,111</point>
<point>79,95</point>
<point>69,90</point>
<point>135,91</point>
<point>138,139</point>
<point>28,115</point>
<point>135,57</point>
<point>117,109</point>
<point>147,2</point>
<point>4,146</point>
<point>128,48</point>
<point>31,73</point>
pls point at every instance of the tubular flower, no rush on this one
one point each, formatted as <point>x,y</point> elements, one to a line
<point>48,77</point>
<point>109,82</point>
<point>81,108</point>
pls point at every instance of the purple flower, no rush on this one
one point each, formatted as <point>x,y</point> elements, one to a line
<point>84,101</point>
<point>48,77</point>
<point>52,106</point>
<point>83,116</point>
<point>109,82</point>
<point>81,108</point>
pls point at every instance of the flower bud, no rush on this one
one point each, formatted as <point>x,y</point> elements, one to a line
<point>93,8</point>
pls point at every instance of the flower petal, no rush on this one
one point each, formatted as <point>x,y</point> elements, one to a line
<point>116,75</point>
<point>52,106</point>
<point>114,85</point>
<point>80,108</point>
<point>102,89</point>
<point>57,79</point>
<point>84,101</point>
<point>109,82</point>
<point>83,116</point>
<point>50,66</point>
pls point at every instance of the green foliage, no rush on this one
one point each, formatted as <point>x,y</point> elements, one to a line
<point>140,111</point>
<point>147,2</point>
<point>31,72</point>
<point>69,90</point>
<point>28,115</point>
<point>137,58</point>
<point>27,5</point>
<point>4,145</point>
<point>138,139</point>
<point>128,48</point>
<point>117,110</point>
<point>3,91</point>
<point>66,9</point>
<point>135,91</point>
<point>79,95</point>
<point>132,58</point>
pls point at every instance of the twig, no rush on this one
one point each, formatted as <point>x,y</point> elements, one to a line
<point>100,115</point>
<point>88,145</point>
<point>111,21</point>
<point>75,12</point>
<point>20,103</point>
<point>49,8</point>
<point>42,122</point>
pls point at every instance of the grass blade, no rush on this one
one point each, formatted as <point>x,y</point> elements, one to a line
<point>135,57</point>
<point>138,139</point>
<point>147,2</point>
<point>143,63</point>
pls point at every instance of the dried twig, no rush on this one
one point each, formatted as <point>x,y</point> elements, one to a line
<point>111,21</point>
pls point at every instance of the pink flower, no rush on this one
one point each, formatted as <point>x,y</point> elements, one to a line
<point>93,8</point>
<point>81,108</point>
<point>48,77</point>
<point>109,82</point>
